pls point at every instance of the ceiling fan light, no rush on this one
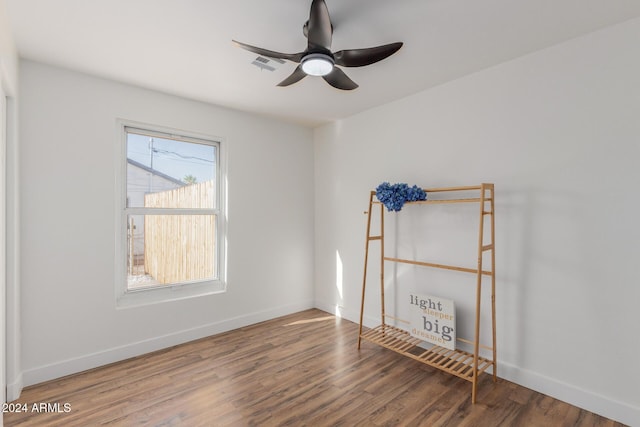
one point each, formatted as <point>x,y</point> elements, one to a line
<point>317,64</point>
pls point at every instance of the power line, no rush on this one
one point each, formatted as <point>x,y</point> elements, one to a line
<point>157,150</point>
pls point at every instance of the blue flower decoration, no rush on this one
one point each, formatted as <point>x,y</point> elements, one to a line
<point>394,196</point>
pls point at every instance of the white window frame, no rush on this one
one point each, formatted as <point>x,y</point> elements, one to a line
<point>152,295</point>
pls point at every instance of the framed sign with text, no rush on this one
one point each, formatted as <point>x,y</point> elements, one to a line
<point>433,320</point>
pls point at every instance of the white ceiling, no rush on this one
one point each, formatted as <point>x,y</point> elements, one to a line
<point>183,47</point>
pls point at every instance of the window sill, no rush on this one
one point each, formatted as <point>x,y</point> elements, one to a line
<point>149,296</point>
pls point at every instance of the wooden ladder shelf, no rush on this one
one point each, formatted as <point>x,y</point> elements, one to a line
<point>463,364</point>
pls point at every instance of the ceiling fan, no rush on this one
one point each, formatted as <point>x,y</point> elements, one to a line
<point>318,60</point>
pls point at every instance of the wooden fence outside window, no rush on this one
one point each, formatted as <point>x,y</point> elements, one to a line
<point>180,248</point>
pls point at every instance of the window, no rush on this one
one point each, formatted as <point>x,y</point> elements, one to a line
<point>170,216</point>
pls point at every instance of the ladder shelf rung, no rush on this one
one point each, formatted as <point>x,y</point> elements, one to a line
<point>430,264</point>
<point>440,201</point>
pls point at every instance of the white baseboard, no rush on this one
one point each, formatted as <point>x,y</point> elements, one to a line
<point>14,389</point>
<point>90,361</point>
<point>585,399</point>
<point>348,314</point>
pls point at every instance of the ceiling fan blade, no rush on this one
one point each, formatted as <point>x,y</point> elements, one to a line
<point>362,57</point>
<point>295,77</point>
<point>294,57</point>
<point>319,29</point>
<point>338,79</point>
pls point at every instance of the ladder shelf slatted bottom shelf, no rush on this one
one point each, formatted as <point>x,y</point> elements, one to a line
<point>463,364</point>
<point>455,362</point>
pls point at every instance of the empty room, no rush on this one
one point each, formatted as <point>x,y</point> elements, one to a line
<point>320,213</point>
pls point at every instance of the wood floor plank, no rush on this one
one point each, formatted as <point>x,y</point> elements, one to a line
<point>298,370</point>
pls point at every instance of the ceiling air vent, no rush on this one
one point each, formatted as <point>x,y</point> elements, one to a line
<point>269,64</point>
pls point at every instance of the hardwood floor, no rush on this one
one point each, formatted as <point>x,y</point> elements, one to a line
<point>299,370</point>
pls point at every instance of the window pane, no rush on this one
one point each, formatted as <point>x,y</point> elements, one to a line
<point>168,249</point>
<point>170,173</point>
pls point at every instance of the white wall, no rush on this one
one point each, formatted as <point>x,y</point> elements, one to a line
<point>558,132</point>
<point>3,242</point>
<point>8,54</point>
<point>67,172</point>
<point>9,293</point>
